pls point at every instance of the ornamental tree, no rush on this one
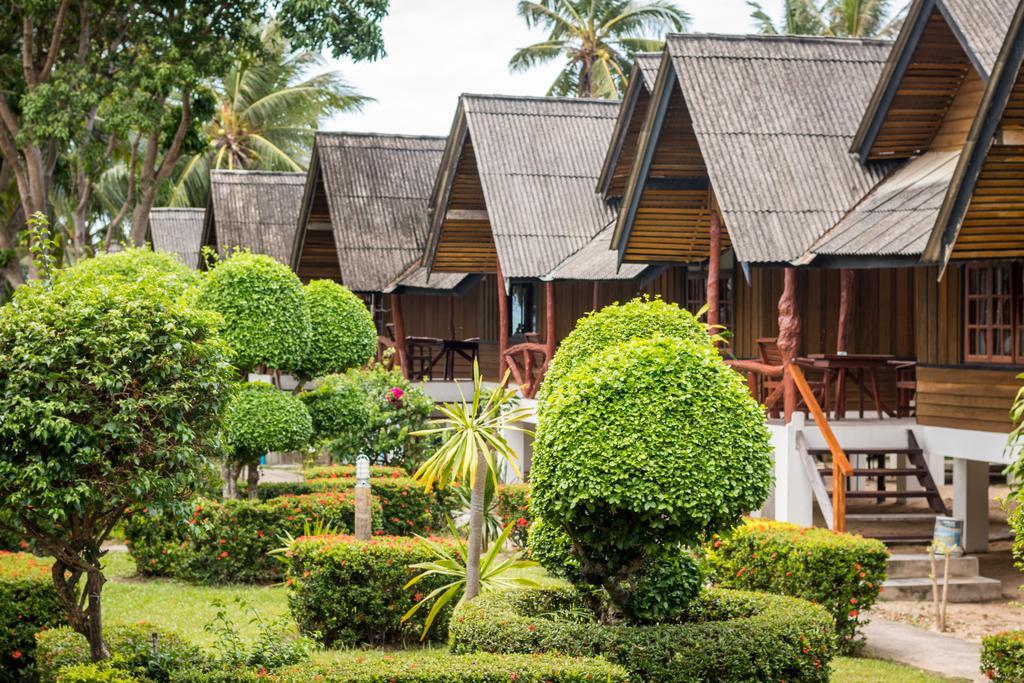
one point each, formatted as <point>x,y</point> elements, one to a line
<point>171,276</point>
<point>260,418</point>
<point>342,333</point>
<point>111,394</point>
<point>640,318</point>
<point>643,450</point>
<point>266,320</point>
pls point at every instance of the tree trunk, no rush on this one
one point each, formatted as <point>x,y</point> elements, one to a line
<point>253,479</point>
<point>476,528</point>
<point>94,586</point>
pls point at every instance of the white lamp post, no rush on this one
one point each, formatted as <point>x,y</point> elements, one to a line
<point>364,516</point>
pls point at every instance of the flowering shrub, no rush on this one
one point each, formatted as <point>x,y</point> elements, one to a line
<point>723,636</point>
<point>28,603</point>
<point>229,542</point>
<point>349,472</point>
<point>353,592</point>
<point>514,506</point>
<point>842,572</point>
<point>1002,656</point>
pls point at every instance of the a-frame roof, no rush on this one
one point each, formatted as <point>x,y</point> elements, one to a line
<point>253,210</point>
<point>990,157</point>
<point>772,119</point>
<point>177,231</point>
<point>376,188</point>
<point>517,184</point>
<point>924,71</point>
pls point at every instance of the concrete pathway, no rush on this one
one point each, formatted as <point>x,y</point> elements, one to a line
<point>279,473</point>
<point>927,650</point>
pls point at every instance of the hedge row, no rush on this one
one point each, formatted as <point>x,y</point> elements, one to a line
<point>349,472</point>
<point>1002,656</point>
<point>28,604</point>
<point>726,636</point>
<point>353,592</point>
<point>230,541</point>
<point>842,572</point>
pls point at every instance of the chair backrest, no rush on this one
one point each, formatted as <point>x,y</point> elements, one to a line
<point>768,348</point>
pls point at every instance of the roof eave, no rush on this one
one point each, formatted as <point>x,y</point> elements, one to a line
<point>441,192</point>
<point>622,121</point>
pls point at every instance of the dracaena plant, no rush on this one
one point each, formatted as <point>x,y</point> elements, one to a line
<point>473,448</point>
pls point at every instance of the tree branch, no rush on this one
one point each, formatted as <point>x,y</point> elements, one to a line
<point>27,67</point>
<point>174,151</point>
<point>51,53</point>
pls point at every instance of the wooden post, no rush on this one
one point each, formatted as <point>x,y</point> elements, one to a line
<point>400,349</point>
<point>789,337</point>
<point>502,321</point>
<point>595,294</point>
<point>451,316</point>
<point>549,313</point>
<point>714,266</point>
<point>846,277</point>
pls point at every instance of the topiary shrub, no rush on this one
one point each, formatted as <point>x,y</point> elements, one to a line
<point>641,318</point>
<point>342,332</point>
<point>266,320</point>
<point>353,592</point>
<point>842,572</point>
<point>1002,656</point>
<point>372,412</point>
<point>722,636</point>
<point>258,419</point>
<point>133,265</point>
<point>28,604</point>
<point>650,445</point>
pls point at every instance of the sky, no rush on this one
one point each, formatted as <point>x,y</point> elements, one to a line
<point>438,49</point>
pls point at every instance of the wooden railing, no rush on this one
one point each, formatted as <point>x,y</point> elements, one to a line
<point>528,362</point>
<point>841,467</point>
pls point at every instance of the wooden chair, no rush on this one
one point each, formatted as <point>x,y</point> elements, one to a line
<point>528,362</point>
<point>906,387</point>
<point>771,389</point>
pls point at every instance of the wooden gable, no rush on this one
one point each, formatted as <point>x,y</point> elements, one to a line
<point>616,186</point>
<point>317,253</point>
<point>465,243</point>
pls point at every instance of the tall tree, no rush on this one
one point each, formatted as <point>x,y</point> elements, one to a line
<point>598,40</point>
<point>837,18</point>
<point>266,114</point>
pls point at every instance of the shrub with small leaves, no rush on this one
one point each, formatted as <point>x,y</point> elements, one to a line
<point>1002,657</point>
<point>842,572</point>
<point>261,418</point>
<point>28,604</point>
<point>266,319</point>
<point>131,266</point>
<point>342,332</point>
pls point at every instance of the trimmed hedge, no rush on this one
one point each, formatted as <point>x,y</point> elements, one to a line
<point>1002,656</point>
<point>353,592</point>
<point>28,604</point>
<point>430,666</point>
<point>349,472</point>
<point>131,649</point>
<point>842,572</point>
<point>229,542</point>
<point>726,636</point>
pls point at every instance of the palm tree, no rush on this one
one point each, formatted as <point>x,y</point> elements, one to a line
<point>837,18</point>
<point>267,112</point>
<point>597,38</point>
<point>473,449</point>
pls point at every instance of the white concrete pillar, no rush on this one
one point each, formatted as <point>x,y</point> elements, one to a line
<point>970,502</point>
<point>522,444</point>
<point>793,498</point>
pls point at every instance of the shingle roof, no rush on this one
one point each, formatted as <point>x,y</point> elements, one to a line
<point>897,216</point>
<point>596,261</point>
<point>649,62</point>
<point>178,232</point>
<point>538,160</point>
<point>774,117</point>
<point>983,25</point>
<point>378,189</point>
<point>255,210</point>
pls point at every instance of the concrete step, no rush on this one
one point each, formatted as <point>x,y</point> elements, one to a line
<point>916,565</point>
<point>961,589</point>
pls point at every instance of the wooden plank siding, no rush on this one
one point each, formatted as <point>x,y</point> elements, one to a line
<point>617,184</point>
<point>966,398</point>
<point>466,245</point>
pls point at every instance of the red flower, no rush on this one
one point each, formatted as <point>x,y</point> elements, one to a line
<point>417,597</point>
<point>853,601</point>
<point>522,521</point>
<point>740,572</point>
<point>16,654</point>
<point>223,554</point>
<point>23,545</point>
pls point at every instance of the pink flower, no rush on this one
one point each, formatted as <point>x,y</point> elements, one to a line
<point>394,396</point>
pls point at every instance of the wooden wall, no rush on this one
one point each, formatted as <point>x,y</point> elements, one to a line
<point>966,397</point>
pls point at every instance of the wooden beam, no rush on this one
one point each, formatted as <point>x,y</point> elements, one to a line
<point>679,183</point>
<point>1009,136</point>
<point>398,319</point>
<point>549,310</point>
<point>714,267</point>
<point>502,321</point>
<point>846,279</point>
<point>789,337</point>
<point>595,294</point>
<point>466,215</point>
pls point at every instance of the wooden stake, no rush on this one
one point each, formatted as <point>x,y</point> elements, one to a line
<point>398,319</point>
<point>846,278</point>
<point>714,267</point>
<point>934,576</point>
<point>945,590</point>
<point>502,321</point>
<point>789,338</point>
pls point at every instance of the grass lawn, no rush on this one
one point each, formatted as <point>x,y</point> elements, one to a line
<point>186,608</point>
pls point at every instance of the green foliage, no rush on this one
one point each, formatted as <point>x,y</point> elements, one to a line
<point>353,592</point>
<point>104,672</point>
<point>830,18</point>
<point>169,275</point>
<point>513,507</point>
<point>131,649</point>
<point>343,334</point>
<point>650,444</point>
<point>275,645</point>
<point>842,572</point>
<point>28,604</point>
<point>723,636</point>
<point>230,542</point>
<point>372,412</point>
<point>261,418</point>
<point>641,318</point>
<point>552,548</point>
<point>266,320</point>
<point>349,472</point>
<point>430,666</point>
<point>665,586</point>
<point>1002,656</point>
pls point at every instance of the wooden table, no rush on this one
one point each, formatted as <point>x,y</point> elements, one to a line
<point>860,367</point>
<point>426,352</point>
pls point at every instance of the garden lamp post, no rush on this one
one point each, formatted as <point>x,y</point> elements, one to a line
<point>364,519</point>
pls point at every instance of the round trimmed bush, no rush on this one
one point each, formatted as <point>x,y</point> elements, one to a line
<point>261,418</point>
<point>652,443</point>
<point>340,411</point>
<point>266,320</point>
<point>641,318</point>
<point>343,335</point>
<point>723,635</point>
<point>132,265</point>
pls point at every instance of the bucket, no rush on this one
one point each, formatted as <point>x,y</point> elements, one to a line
<point>948,536</point>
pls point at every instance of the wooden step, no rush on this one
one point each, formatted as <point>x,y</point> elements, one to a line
<point>902,450</point>
<point>878,472</point>
<point>887,494</point>
<point>900,539</point>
